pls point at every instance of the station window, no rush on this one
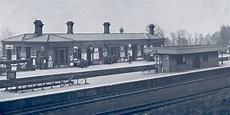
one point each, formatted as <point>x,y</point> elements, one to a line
<point>18,53</point>
<point>205,57</point>
<point>122,51</point>
<point>96,53</point>
<point>138,50</point>
<point>122,48</point>
<point>181,60</point>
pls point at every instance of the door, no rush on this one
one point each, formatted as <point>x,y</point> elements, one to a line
<point>134,52</point>
<point>61,56</point>
<point>196,61</point>
<point>114,54</point>
<point>89,56</point>
<point>8,54</point>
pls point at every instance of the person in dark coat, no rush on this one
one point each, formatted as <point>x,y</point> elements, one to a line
<point>129,58</point>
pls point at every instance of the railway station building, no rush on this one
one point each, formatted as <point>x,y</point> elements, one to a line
<point>182,58</point>
<point>59,50</point>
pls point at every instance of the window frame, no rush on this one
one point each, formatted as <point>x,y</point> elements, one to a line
<point>181,60</point>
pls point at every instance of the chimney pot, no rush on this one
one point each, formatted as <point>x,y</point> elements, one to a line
<point>151,29</point>
<point>121,30</point>
<point>38,27</point>
<point>69,27</point>
<point>106,27</point>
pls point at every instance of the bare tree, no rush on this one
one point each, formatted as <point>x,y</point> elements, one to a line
<point>6,34</point>
<point>173,36</point>
<point>158,31</point>
<point>224,35</point>
<point>180,37</point>
<point>168,42</point>
<point>207,39</point>
<point>201,39</point>
<point>215,37</point>
<point>196,38</point>
<point>190,40</point>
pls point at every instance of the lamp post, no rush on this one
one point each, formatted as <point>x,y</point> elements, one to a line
<point>130,53</point>
<point>42,49</point>
<point>156,59</point>
<point>156,56</point>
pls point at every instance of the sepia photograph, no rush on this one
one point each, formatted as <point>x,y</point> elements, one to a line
<point>114,57</point>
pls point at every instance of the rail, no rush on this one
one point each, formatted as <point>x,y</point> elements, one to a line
<point>138,109</point>
<point>128,110</point>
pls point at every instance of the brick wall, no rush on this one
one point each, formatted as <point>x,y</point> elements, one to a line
<point>174,67</point>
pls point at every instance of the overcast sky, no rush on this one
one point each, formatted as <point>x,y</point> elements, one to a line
<point>201,16</point>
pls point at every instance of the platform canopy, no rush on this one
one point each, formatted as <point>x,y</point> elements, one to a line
<point>185,49</point>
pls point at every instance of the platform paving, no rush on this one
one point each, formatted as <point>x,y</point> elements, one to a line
<point>93,82</point>
<point>23,74</point>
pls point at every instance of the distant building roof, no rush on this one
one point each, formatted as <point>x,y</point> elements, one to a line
<point>186,49</point>
<point>56,37</point>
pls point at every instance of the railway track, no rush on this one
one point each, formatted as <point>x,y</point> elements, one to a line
<point>138,109</point>
<point>133,109</point>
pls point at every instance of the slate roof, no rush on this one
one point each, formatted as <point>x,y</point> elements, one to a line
<point>61,37</point>
<point>189,49</point>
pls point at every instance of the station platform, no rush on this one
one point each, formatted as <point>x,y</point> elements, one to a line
<point>94,81</point>
<point>224,55</point>
<point>24,74</point>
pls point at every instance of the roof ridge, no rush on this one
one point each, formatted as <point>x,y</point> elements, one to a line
<point>12,37</point>
<point>63,37</point>
<point>91,33</point>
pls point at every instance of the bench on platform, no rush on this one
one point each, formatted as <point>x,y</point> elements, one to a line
<point>16,86</point>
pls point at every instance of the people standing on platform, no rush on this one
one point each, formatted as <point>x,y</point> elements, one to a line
<point>129,58</point>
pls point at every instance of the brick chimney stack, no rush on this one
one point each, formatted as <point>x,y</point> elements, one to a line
<point>38,27</point>
<point>151,29</point>
<point>69,27</point>
<point>106,27</point>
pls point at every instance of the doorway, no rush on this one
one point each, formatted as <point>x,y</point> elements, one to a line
<point>90,55</point>
<point>196,61</point>
<point>8,54</point>
<point>61,56</point>
<point>134,52</point>
<point>77,54</point>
